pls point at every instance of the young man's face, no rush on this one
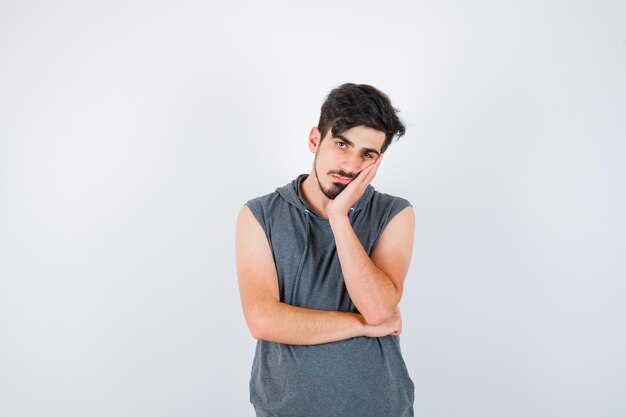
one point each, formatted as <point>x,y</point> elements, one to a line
<point>338,160</point>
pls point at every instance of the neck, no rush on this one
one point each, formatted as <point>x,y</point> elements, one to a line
<point>314,197</point>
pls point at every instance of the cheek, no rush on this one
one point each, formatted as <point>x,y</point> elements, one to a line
<point>323,159</point>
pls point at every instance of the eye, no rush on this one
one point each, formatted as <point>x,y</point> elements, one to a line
<point>369,155</point>
<point>342,145</point>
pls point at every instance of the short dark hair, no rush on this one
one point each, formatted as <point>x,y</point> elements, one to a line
<point>351,105</point>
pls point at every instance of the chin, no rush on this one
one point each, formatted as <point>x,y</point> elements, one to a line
<point>334,190</point>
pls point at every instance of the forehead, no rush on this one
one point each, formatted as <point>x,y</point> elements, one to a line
<point>362,137</point>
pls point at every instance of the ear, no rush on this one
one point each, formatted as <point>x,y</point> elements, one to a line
<point>315,137</point>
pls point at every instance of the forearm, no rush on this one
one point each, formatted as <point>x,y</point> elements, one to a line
<point>370,289</point>
<point>283,323</point>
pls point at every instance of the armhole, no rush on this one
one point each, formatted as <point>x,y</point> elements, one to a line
<point>397,206</point>
<point>257,212</point>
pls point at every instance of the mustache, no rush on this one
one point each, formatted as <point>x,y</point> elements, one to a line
<point>343,174</point>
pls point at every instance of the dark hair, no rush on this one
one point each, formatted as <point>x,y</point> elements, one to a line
<point>351,105</point>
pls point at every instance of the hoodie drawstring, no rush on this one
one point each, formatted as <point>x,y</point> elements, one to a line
<point>307,222</point>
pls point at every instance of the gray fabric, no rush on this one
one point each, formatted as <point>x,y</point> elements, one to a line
<point>358,377</point>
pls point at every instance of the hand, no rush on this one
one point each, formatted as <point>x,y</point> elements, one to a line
<point>354,190</point>
<point>392,327</point>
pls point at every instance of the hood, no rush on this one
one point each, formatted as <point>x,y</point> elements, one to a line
<point>291,193</point>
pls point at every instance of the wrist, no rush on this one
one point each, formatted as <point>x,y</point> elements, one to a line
<point>359,325</point>
<point>338,218</point>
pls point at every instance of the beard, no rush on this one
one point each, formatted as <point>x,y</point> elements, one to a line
<point>332,191</point>
<point>335,188</point>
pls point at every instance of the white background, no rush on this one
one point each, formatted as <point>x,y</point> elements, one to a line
<point>132,132</point>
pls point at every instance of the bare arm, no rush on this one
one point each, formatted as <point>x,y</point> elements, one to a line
<point>270,319</point>
<point>374,283</point>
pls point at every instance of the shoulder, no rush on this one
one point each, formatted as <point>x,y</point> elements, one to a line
<point>266,202</point>
<point>388,205</point>
<point>261,206</point>
<point>268,208</point>
<point>262,201</point>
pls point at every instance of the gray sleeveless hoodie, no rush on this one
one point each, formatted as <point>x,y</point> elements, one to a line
<point>360,376</point>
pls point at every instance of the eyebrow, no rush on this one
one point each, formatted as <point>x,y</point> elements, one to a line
<point>350,143</point>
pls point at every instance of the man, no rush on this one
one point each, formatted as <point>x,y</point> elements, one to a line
<point>321,264</point>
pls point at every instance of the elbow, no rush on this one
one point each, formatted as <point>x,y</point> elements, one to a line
<point>256,327</point>
<point>259,332</point>
<point>256,333</point>
<point>259,322</point>
<point>383,313</point>
<point>374,321</point>
<point>376,318</point>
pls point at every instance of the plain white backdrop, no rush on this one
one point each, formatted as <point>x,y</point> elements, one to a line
<point>131,132</point>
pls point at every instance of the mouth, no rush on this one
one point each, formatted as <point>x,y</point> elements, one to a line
<point>340,179</point>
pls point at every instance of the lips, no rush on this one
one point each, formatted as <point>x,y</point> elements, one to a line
<point>342,180</point>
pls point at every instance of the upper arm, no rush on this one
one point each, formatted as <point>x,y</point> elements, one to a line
<point>394,248</point>
<point>256,271</point>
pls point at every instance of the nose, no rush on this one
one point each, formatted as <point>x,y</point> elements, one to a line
<point>352,164</point>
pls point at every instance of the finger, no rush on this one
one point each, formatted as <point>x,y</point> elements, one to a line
<point>363,178</point>
<point>376,164</point>
<point>370,172</point>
